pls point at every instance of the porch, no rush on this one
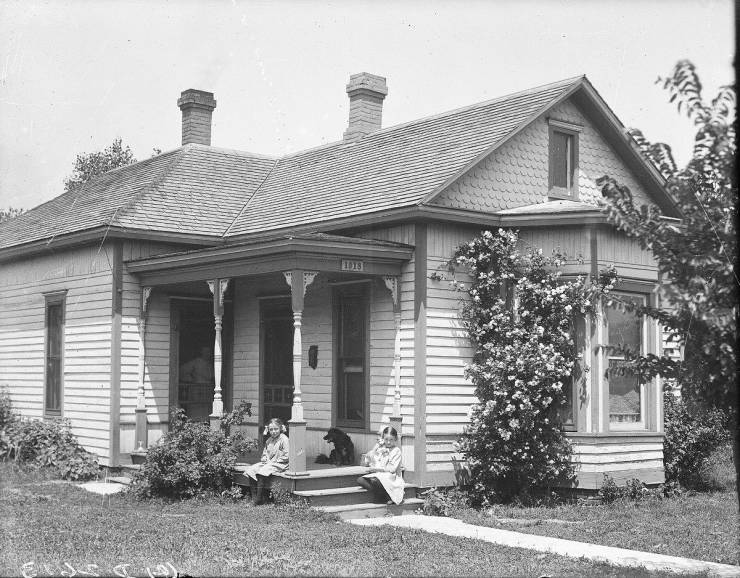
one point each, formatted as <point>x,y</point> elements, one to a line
<point>308,329</point>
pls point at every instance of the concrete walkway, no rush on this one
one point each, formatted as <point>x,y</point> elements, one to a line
<point>606,554</point>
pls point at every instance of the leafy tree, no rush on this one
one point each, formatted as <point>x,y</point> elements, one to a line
<point>696,256</point>
<point>9,213</point>
<point>91,165</point>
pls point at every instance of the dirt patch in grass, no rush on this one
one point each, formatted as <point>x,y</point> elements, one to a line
<point>109,534</point>
<point>700,526</point>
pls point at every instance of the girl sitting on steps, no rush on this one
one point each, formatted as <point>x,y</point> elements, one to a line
<point>385,477</point>
<point>274,460</point>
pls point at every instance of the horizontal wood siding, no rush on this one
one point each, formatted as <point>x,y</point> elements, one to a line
<point>449,394</point>
<point>85,274</point>
<point>573,242</point>
<point>622,457</point>
<point>625,254</point>
<point>157,359</point>
<point>157,331</point>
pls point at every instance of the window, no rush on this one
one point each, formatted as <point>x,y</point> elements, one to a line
<point>569,411</point>
<point>54,354</point>
<point>563,160</point>
<point>626,391</point>
<point>351,360</point>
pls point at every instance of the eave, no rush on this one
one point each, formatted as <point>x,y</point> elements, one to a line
<point>269,256</point>
<point>51,245</point>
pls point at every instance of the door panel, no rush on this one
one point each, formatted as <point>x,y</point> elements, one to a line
<point>277,360</point>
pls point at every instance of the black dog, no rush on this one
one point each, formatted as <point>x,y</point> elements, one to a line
<point>343,453</point>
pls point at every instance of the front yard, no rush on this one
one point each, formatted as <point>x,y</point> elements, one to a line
<point>701,526</point>
<point>52,528</point>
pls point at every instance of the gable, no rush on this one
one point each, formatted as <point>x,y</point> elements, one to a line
<point>516,173</point>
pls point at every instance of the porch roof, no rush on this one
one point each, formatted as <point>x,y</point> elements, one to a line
<point>312,251</point>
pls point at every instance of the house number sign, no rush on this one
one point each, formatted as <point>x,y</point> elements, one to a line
<point>350,265</point>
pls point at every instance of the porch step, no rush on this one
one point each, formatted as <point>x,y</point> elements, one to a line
<point>371,510</point>
<point>342,477</point>
<point>344,495</point>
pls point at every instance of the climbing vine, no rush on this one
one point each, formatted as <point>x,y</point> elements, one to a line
<point>521,318</point>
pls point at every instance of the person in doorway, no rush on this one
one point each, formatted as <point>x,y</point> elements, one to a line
<point>199,369</point>
<point>274,460</point>
<point>385,479</point>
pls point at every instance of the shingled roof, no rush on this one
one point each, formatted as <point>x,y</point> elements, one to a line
<point>193,189</point>
<point>222,194</point>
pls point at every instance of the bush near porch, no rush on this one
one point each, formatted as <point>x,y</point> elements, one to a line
<point>192,459</point>
<point>46,445</point>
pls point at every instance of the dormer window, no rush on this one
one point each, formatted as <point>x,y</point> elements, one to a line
<point>563,182</point>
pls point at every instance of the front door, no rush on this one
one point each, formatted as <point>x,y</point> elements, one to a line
<point>192,369</point>
<point>276,324</point>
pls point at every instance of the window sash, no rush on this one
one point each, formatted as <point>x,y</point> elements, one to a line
<point>54,357</point>
<point>563,160</point>
<point>627,418</point>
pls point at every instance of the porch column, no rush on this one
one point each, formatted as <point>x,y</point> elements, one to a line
<point>298,280</point>
<point>218,288</point>
<point>392,283</point>
<point>141,432</point>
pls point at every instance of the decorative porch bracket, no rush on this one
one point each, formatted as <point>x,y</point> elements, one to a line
<point>218,288</point>
<point>141,433</point>
<point>393,285</point>
<point>298,280</point>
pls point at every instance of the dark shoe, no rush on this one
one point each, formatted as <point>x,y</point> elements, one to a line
<point>258,496</point>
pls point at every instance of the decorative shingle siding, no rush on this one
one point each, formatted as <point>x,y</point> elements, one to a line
<point>516,174</point>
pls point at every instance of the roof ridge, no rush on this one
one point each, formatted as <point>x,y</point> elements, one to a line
<point>564,83</point>
<point>249,200</point>
<point>230,150</point>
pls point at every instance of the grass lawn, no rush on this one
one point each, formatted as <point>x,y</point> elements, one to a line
<point>701,526</point>
<point>45,524</point>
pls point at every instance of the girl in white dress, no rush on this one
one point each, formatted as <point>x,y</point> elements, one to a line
<point>274,460</point>
<point>384,462</point>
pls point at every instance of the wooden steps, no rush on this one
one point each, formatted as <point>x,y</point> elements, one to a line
<point>344,496</point>
<point>335,490</point>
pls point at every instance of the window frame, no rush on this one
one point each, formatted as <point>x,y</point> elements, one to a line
<point>363,289</point>
<point>573,131</point>
<point>643,423</point>
<point>54,299</point>
<point>581,362</point>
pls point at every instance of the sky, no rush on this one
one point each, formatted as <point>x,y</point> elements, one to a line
<point>76,74</point>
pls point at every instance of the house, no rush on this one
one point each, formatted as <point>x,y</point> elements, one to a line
<point>306,284</point>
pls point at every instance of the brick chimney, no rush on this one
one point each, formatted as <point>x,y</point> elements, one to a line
<point>197,107</point>
<point>366,93</point>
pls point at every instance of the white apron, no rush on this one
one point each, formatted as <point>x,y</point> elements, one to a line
<point>391,479</point>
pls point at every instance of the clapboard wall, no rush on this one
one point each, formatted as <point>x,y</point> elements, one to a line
<point>85,274</point>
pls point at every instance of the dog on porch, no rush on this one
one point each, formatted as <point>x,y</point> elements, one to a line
<point>343,453</point>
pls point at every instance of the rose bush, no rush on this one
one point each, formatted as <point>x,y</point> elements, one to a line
<point>521,317</point>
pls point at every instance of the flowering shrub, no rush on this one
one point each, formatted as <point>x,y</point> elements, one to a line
<point>192,460</point>
<point>520,318</point>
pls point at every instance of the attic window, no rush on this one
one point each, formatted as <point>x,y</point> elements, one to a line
<point>563,182</point>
